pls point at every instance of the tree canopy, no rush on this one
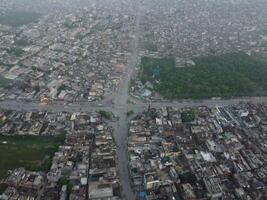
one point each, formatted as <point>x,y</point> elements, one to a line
<point>235,74</point>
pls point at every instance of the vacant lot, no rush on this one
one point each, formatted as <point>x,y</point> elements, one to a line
<point>31,152</point>
<point>235,74</point>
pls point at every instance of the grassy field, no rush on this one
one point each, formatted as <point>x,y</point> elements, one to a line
<point>31,152</point>
<point>228,75</point>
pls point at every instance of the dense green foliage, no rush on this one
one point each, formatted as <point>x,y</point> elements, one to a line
<point>235,74</point>
<point>105,114</point>
<point>18,18</point>
<point>64,181</point>
<point>17,51</point>
<point>188,116</point>
<point>129,113</point>
<point>31,152</point>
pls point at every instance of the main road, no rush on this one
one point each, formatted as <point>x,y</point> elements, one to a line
<point>120,108</point>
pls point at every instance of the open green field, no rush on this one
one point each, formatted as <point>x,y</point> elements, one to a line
<point>31,152</point>
<point>228,75</point>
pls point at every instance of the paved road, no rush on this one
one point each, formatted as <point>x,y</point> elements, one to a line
<point>121,107</point>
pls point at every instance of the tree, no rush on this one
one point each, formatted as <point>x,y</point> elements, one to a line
<point>188,116</point>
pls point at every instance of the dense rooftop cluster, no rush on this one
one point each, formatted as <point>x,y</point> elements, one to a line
<point>187,29</point>
<point>34,123</point>
<point>199,153</point>
<point>83,167</point>
<point>66,56</point>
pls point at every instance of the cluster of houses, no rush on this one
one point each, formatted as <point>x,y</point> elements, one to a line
<point>34,123</point>
<point>187,29</point>
<point>84,167</point>
<point>76,56</point>
<point>199,153</point>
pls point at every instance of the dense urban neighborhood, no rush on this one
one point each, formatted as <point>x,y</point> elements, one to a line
<point>133,100</point>
<point>199,153</point>
<point>86,159</point>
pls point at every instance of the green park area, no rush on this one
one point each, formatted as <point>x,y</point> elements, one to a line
<point>32,152</point>
<point>235,74</point>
